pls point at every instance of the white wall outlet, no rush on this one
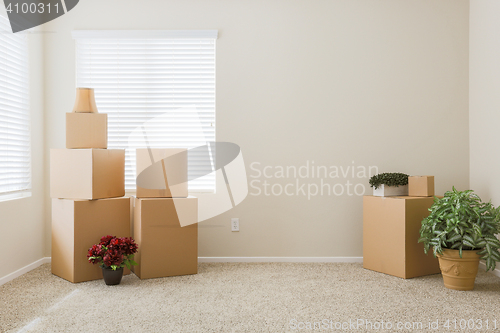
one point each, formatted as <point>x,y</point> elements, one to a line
<point>235,224</point>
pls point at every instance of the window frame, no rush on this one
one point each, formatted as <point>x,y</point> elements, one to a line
<point>81,36</point>
<point>23,101</point>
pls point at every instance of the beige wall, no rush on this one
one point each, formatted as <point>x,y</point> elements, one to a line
<point>484,102</point>
<point>22,225</point>
<point>381,83</point>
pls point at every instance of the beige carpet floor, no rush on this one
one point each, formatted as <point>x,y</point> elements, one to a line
<point>250,297</point>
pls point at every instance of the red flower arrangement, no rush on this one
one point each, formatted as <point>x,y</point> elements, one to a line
<point>113,252</point>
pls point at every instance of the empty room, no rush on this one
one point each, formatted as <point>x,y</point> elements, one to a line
<point>249,166</point>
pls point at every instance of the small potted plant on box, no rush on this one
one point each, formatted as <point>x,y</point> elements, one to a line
<point>389,184</point>
<point>461,230</point>
<point>112,254</point>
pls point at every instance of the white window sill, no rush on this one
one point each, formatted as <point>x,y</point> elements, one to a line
<point>194,192</point>
<point>15,195</point>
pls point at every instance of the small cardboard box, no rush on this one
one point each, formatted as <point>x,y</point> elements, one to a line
<point>79,224</point>
<point>391,228</point>
<point>421,186</point>
<point>86,130</point>
<point>87,173</point>
<point>159,173</point>
<point>165,248</point>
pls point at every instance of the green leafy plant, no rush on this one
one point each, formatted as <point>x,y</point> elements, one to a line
<point>389,179</point>
<point>461,221</point>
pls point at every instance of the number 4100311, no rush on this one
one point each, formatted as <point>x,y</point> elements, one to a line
<point>33,8</point>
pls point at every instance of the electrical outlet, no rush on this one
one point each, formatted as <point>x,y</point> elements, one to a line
<point>235,224</point>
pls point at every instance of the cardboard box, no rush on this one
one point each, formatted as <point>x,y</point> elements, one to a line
<point>156,173</point>
<point>79,224</point>
<point>86,130</point>
<point>87,173</point>
<point>421,186</point>
<point>391,228</point>
<point>165,248</point>
<point>390,191</point>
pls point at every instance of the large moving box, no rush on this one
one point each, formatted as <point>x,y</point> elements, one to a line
<point>165,248</point>
<point>79,224</point>
<point>391,228</point>
<point>86,130</point>
<point>87,173</point>
<point>166,178</point>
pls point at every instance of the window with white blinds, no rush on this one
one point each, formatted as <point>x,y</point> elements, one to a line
<point>158,84</point>
<point>15,154</point>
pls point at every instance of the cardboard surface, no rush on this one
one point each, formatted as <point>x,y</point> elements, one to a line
<point>165,248</point>
<point>390,236</point>
<point>160,173</point>
<point>87,173</point>
<point>86,130</point>
<point>421,186</point>
<point>79,224</point>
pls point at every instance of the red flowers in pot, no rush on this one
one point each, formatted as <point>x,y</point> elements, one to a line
<point>113,252</point>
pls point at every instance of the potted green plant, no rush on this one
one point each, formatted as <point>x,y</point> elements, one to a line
<point>389,184</point>
<point>461,230</point>
<point>112,254</point>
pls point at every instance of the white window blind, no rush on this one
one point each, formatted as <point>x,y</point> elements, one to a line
<point>160,83</point>
<point>15,159</point>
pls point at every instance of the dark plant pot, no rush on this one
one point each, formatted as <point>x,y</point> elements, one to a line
<point>112,277</point>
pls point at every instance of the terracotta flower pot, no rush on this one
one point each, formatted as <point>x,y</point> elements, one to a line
<point>112,277</point>
<point>459,273</point>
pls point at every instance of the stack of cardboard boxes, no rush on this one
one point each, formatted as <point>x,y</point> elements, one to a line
<point>87,184</point>
<point>165,218</point>
<point>391,228</point>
